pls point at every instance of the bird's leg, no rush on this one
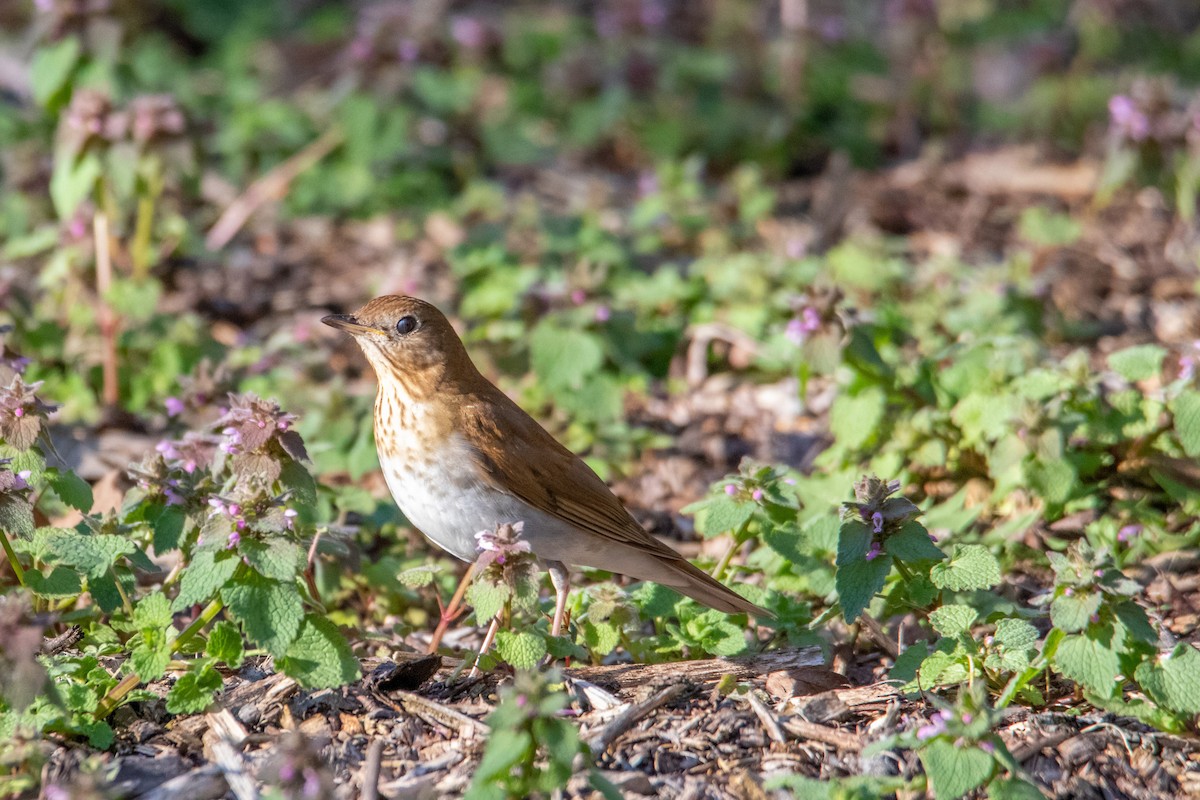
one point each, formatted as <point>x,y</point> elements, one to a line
<point>451,611</point>
<point>487,644</point>
<point>560,576</point>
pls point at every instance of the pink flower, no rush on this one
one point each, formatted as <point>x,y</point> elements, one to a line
<point>757,494</point>
<point>935,727</point>
<point>603,313</point>
<point>730,489</point>
<point>874,552</point>
<point>1127,119</point>
<point>174,406</point>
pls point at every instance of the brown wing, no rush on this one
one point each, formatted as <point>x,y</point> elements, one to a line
<point>535,468</point>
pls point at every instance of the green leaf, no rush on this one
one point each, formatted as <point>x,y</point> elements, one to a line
<point>296,479</point>
<point>72,181</point>
<point>1173,679</point>
<point>270,611</point>
<point>320,658</point>
<point>209,571</point>
<point>857,579</point>
<point>600,637</point>
<point>16,516</point>
<point>1186,408</point>
<point>61,582</point>
<point>151,656</point>
<point>951,620</point>
<point>91,554</point>
<point>912,543</point>
<point>563,357</point>
<point>51,69</point>
<point>194,690</point>
<point>1053,480</point>
<point>487,599</point>
<point>417,577</point>
<point>1015,633</point>
<point>168,524</point>
<point>720,514</point>
<point>1089,663</point>
<point>1072,613</point>
<point>521,649</point>
<point>152,612</point>
<point>854,418</point>
<point>71,489</point>
<point>1137,363</point>
<point>276,558</point>
<point>970,566</point>
<point>225,644</point>
<point>955,770</point>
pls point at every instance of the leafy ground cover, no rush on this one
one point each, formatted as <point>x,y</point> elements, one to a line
<point>885,315</point>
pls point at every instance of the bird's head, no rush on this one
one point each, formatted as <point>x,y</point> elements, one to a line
<point>405,339</point>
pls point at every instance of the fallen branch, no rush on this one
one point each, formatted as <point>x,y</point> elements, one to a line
<point>710,669</point>
<point>631,716</point>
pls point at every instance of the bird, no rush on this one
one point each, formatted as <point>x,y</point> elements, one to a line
<point>459,456</point>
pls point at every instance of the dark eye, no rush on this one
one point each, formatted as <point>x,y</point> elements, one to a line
<point>406,325</point>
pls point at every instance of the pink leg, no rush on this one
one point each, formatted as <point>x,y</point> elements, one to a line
<point>560,576</point>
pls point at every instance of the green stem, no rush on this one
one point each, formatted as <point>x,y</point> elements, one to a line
<point>12,558</point>
<point>130,682</point>
<point>206,616</point>
<point>739,539</point>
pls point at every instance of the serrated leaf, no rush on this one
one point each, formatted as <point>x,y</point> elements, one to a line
<point>487,599</point>
<point>953,771</point>
<point>1015,633</point>
<point>208,572</point>
<point>319,657</point>
<point>276,558</point>
<point>296,479</point>
<point>854,418</point>
<point>521,649</point>
<point>168,524</point>
<point>71,489</point>
<point>912,543</point>
<point>722,514</point>
<point>61,582</point>
<point>151,656</point>
<point>270,611</point>
<point>1053,480</point>
<point>152,611</point>
<point>1089,663</point>
<point>970,566</point>
<point>1186,409</point>
<point>225,644</point>
<point>563,357</point>
<point>945,666</point>
<point>1137,363</point>
<point>1173,679</point>
<point>951,620</point>
<point>857,581</point>
<point>16,516</point>
<point>194,691</point>
<point>91,554</point>
<point>601,637</point>
<point>51,68</point>
<point>417,577</point>
<point>1072,613</point>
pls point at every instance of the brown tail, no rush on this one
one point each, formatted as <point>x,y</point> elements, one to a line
<point>701,587</point>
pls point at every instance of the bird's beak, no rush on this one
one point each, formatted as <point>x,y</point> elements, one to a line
<point>347,323</point>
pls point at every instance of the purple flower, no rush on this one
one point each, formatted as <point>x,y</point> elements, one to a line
<point>874,552</point>
<point>167,448</point>
<point>234,539</point>
<point>987,747</point>
<point>174,498</point>
<point>603,313</point>
<point>877,522</point>
<point>409,51</point>
<point>730,489</point>
<point>174,406</point>
<point>798,328</point>
<point>468,32</point>
<point>647,184</point>
<point>935,727</point>
<point>578,296</point>
<point>289,517</point>
<point>1129,532</point>
<point>1127,119</point>
<point>757,494</point>
<point>495,546</point>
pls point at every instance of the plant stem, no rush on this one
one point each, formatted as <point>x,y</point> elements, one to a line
<point>130,682</point>
<point>107,319</point>
<point>12,558</point>
<point>206,616</point>
<point>739,539</point>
